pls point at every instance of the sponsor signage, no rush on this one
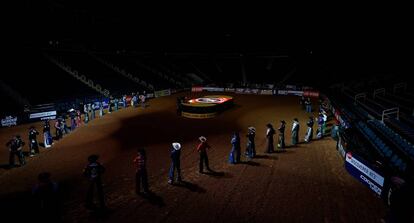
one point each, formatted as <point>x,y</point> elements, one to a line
<point>293,87</point>
<point>282,92</point>
<point>9,121</point>
<point>196,89</point>
<point>199,116</point>
<point>313,94</point>
<point>296,93</point>
<point>162,93</point>
<point>43,115</point>
<point>367,175</point>
<point>151,95</point>
<point>239,90</point>
<point>230,89</point>
<point>213,89</point>
<point>266,92</point>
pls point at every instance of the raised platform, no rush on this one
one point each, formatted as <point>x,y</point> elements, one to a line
<point>207,106</point>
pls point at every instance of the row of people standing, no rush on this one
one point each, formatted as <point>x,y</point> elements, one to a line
<point>270,132</point>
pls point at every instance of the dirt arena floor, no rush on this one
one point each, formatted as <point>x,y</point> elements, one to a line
<point>307,183</point>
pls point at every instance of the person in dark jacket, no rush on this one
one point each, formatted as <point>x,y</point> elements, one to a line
<point>202,150</point>
<point>46,199</point>
<point>269,136</point>
<point>235,149</point>
<point>58,127</point>
<point>308,105</point>
<point>400,201</point>
<point>295,131</point>
<point>251,146</point>
<point>72,120</point>
<point>116,104</point>
<point>175,163</point>
<point>47,136</point>
<point>302,102</point>
<point>16,149</point>
<point>309,131</point>
<point>281,129</point>
<point>141,175</point>
<point>93,171</point>
<point>34,145</point>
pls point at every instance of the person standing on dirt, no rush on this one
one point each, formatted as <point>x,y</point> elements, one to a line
<point>235,150</point>
<point>320,130</point>
<point>110,105</point>
<point>141,176</point>
<point>295,132</point>
<point>85,110</point>
<point>175,163</point>
<point>124,101</point>
<point>91,108</point>
<point>16,149</point>
<point>400,198</point>
<point>269,136</point>
<point>78,118</point>
<point>179,105</point>
<point>281,129</point>
<point>202,150</point>
<point>46,198</point>
<point>308,105</point>
<point>47,136</point>
<point>251,147</point>
<point>93,171</point>
<point>134,100</point>
<point>309,131</point>
<point>116,101</point>
<point>34,145</point>
<point>65,128</point>
<point>101,109</point>
<point>58,127</point>
<point>72,120</point>
<point>142,99</point>
<point>302,102</point>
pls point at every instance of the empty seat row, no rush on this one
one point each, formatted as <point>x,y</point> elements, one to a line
<point>396,138</point>
<point>382,148</point>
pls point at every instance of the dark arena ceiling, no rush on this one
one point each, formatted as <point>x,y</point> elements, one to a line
<point>328,44</point>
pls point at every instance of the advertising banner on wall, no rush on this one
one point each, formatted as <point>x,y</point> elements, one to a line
<point>196,89</point>
<point>282,92</point>
<point>213,89</point>
<point>229,89</point>
<point>9,121</point>
<point>162,93</point>
<point>266,92</point>
<point>43,115</point>
<point>313,94</point>
<point>364,172</point>
<point>296,93</point>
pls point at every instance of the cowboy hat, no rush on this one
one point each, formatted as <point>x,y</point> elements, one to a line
<point>176,146</point>
<point>251,128</point>
<point>93,158</point>
<point>202,138</point>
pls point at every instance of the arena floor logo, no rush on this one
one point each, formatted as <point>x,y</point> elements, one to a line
<point>209,100</point>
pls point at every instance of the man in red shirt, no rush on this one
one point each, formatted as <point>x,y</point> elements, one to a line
<point>141,175</point>
<point>202,149</point>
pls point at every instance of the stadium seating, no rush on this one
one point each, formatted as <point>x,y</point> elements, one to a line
<point>399,141</point>
<point>394,160</point>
